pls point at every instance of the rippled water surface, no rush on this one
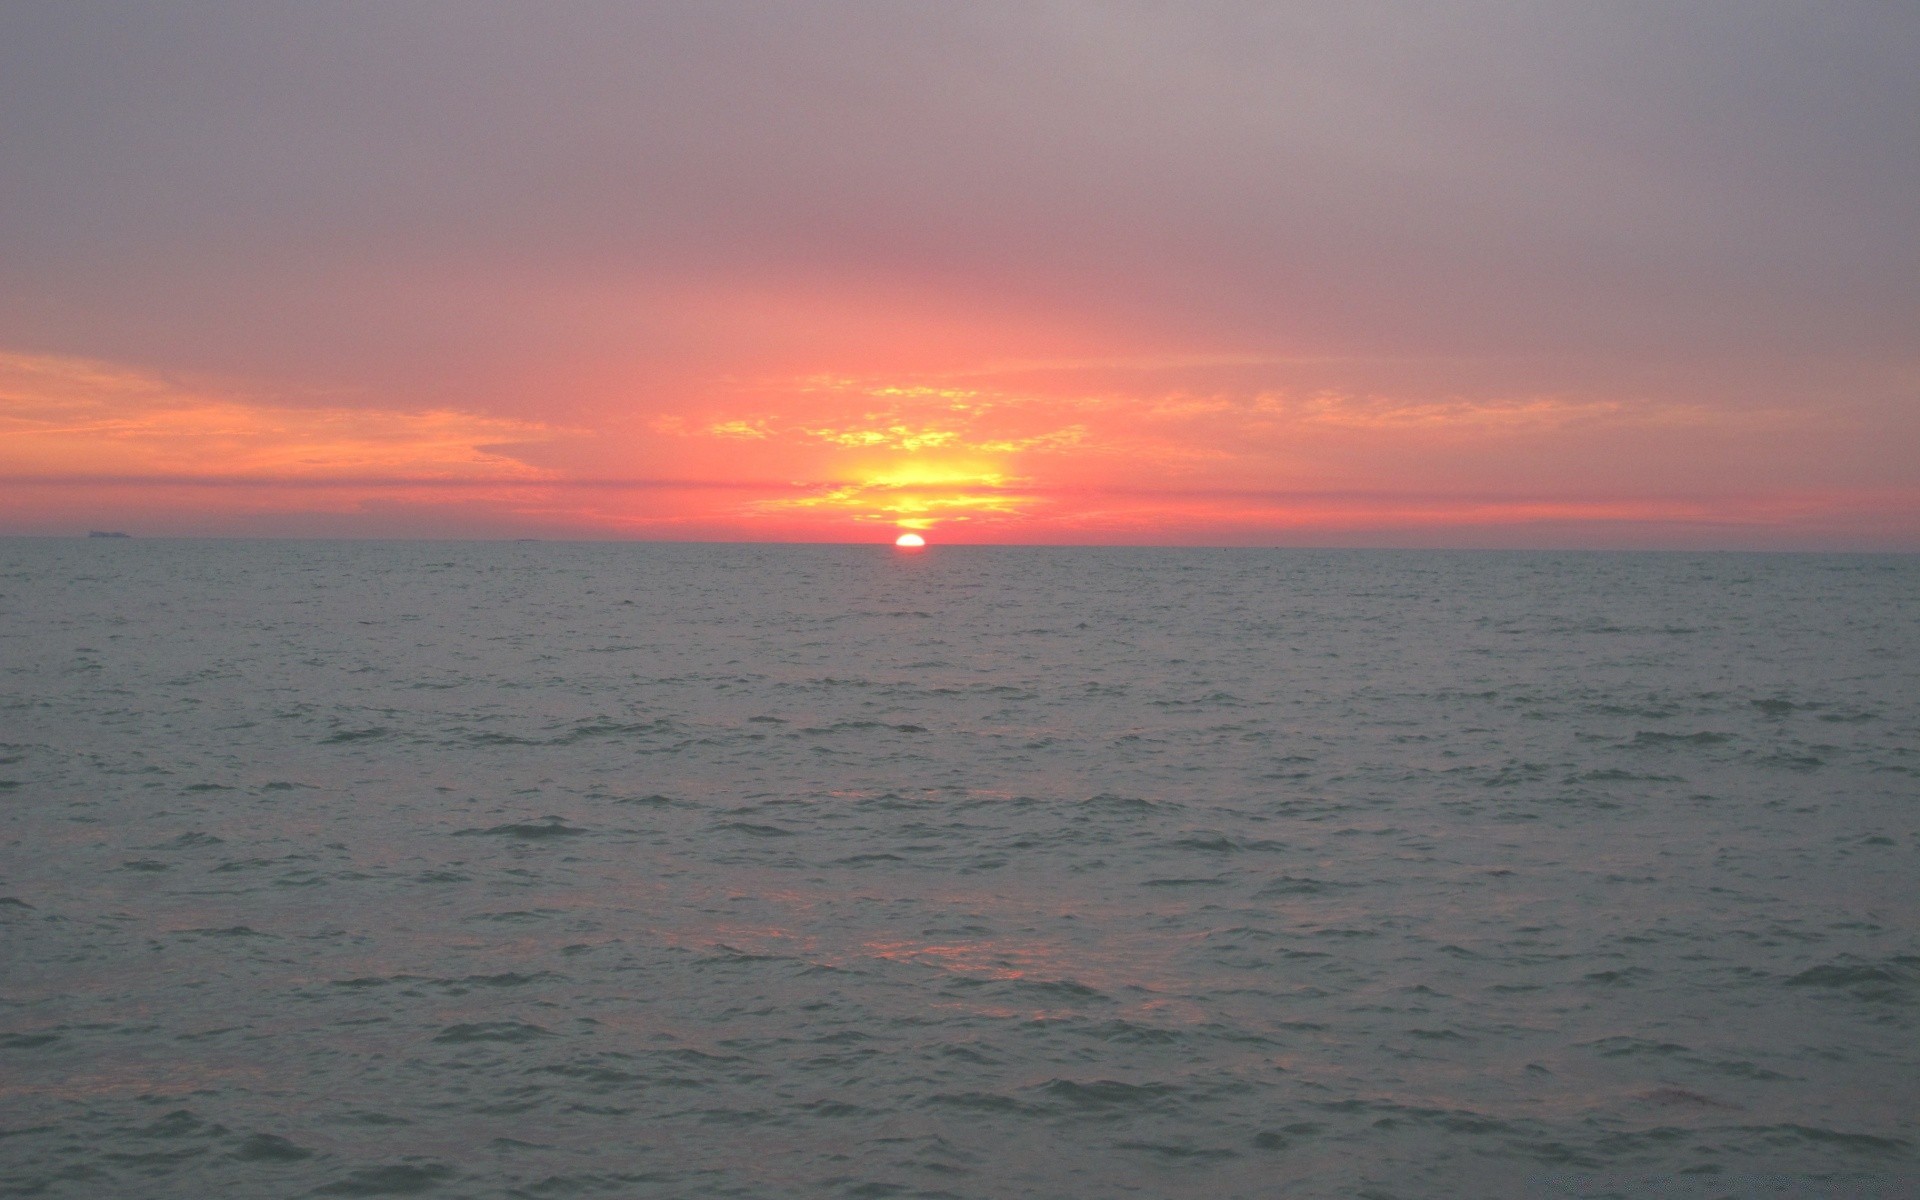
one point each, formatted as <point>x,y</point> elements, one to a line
<point>610,870</point>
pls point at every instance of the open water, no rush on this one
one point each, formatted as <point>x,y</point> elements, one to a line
<point>550,870</point>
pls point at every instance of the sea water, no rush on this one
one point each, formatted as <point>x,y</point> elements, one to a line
<point>547,870</point>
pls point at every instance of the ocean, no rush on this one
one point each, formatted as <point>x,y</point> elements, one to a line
<point>635,870</point>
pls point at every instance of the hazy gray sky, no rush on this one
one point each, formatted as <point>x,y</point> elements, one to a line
<point>602,221</point>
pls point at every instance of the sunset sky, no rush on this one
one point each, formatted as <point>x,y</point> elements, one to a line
<point>1447,274</point>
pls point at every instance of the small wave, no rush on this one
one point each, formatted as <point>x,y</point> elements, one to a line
<point>27,1041</point>
<point>752,829</point>
<point>512,916</point>
<point>181,1124</point>
<point>655,800</point>
<point>1056,990</point>
<point>1647,737</point>
<point>243,864</point>
<point>546,827</point>
<point>492,1031</point>
<point>1292,885</point>
<point>984,1102</point>
<point>1677,1097</point>
<point>1516,774</point>
<point>1795,762</point>
<point>1133,1033</point>
<point>268,1147</point>
<point>1628,977</point>
<point>1210,700</point>
<point>505,979</point>
<point>368,734</point>
<point>1652,712</point>
<point>1117,803</point>
<point>1225,845</point>
<point>723,953</point>
<point>855,726</point>
<point>404,1179</point>
<point>1632,1047</point>
<point>604,728</point>
<point>1860,1143</point>
<point>1109,1093</point>
<point>593,1073</point>
<point>1741,1068</point>
<point>574,734</point>
<point>1616,775</point>
<point>1179,1151</point>
<point>1882,982</point>
<point>1284,1137</point>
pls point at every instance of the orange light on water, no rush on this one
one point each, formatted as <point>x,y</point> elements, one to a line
<point>909,541</point>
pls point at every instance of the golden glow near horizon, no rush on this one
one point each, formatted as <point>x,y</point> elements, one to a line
<point>810,459</point>
<point>911,456</point>
<point>910,541</point>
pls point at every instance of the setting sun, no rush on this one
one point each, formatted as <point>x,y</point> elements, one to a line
<point>910,541</point>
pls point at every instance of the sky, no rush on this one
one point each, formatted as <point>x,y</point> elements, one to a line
<point>1423,274</point>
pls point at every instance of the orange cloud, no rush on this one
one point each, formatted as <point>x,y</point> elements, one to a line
<point>76,417</point>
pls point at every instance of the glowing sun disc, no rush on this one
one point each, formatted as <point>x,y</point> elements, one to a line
<point>909,541</point>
